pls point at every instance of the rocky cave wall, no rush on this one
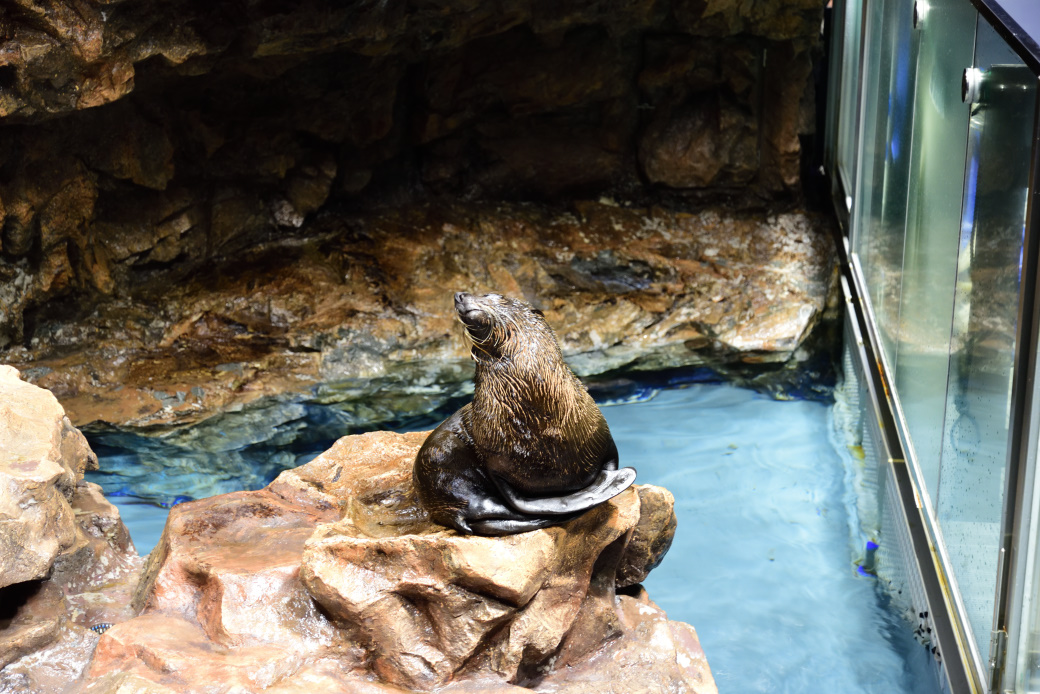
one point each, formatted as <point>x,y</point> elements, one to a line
<point>146,146</point>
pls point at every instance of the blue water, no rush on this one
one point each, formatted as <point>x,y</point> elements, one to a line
<point>761,563</point>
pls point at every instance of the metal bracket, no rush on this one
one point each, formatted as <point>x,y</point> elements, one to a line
<point>997,655</point>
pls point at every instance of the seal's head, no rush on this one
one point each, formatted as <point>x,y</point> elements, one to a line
<point>500,327</point>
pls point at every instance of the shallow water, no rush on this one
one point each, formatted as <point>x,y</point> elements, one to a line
<point>761,563</point>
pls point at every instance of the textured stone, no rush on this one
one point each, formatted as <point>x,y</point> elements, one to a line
<point>651,538</point>
<point>58,666</point>
<point>42,457</point>
<point>651,655</point>
<point>33,615</point>
<point>427,606</point>
<point>190,135</point>
<point>368,311</point>
<point>332,579</point>
<point>66,559</point>
<point>708,143</point>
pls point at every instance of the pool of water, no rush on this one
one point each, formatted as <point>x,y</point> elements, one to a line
<point>762,563</point>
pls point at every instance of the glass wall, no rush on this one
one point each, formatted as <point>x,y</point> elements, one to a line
<point>849,100</point>
<point>879,207</point>
<point>945,151</point>
<point>983,345</point>
<point>939,137</point>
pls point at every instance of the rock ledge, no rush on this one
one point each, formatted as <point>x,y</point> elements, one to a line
<point>333,579</point>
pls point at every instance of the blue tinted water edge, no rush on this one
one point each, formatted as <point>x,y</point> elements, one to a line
<point>763,563</point>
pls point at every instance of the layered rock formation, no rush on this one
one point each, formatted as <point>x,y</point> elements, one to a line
<point>66,559</point>
<point>367,309</point>
<point>330,579</point>
<point>187,190</point>
<point>333,578</point>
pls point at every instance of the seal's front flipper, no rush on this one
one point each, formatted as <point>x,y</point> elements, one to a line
<point>607,485</point>
<point>501,526</point>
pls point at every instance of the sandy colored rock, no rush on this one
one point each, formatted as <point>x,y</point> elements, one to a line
<point>651,537</point>
<point>371,314</point>
<point>230,565</point>
<point>651,655</point>
<point>66,559</point>
<point>99,572</point>
<point>332,579</point>
<point>42,457</point>
<point>403,596</point>
<point>33,616</point>
<point>58,666</point>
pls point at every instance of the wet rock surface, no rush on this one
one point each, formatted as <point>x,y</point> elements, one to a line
<point>67,563</point>
<point>366,309</point>
<point>332,577</point>
<point>192,196</point>
<point>42,457</point>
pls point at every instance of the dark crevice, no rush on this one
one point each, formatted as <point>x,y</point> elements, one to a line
<point>13,597</point>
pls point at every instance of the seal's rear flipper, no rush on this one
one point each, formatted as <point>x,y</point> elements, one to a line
<point>607,485</point>
<point>512,527</point>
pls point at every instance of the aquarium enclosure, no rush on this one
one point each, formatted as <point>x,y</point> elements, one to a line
<point>932,157</point>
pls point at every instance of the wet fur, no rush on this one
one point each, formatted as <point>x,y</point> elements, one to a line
<point>531,431</point>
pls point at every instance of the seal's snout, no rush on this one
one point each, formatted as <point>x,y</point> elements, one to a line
<point>463,302</point>
<point>467,308</point>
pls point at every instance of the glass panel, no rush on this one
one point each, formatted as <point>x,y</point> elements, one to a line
<point>975,440</point>
<point>847,121</point>
<point>834,52</point>
<point>947,40</point>
<point>879,210</point>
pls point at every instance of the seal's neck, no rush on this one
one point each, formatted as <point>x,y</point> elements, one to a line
<point>526,386</point>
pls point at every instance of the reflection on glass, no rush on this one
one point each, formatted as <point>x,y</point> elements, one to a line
<point>975,441</point>
<point>879,211</point>
<point>933,221</point>
<point>850,74</point>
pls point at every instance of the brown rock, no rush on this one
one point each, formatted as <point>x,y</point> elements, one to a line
<point>42,456</point>
<point>709,143</point>
<point>773,20</point>
<point>651,538</point>
<point>230,565</point>
<point>651,655</point>
<point>58,666</point>
<point>790,105</point>
<point>126,683</point>
<point>261,119</point>
<point>32,617</point>
<point>369,311</point>
<point>99,572</point>
<point>59,531</point>
<point>331,579</point>
<point>403,595</point>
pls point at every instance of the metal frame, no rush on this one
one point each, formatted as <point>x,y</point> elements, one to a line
<point>945,603</point>
<point>1022,429</point>
<point>947,629</point>
<point>1025,45</point>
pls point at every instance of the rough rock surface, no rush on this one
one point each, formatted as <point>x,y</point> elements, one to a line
<point>332,579</point>
<point>66,560</point>
<point>147,146</point>
<point>42,457</point>
<point>367,310</point>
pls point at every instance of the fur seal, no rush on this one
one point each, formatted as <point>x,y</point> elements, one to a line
<point>532,449</point>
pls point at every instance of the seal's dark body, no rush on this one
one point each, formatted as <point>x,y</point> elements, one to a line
<point>532,449</point>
